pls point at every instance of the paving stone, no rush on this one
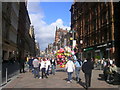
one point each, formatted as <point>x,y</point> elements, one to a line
<point>27,80</point>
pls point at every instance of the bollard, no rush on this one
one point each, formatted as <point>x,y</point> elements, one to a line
<point>6,75</point>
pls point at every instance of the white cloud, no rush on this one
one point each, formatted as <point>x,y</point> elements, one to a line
<point>45,33</point>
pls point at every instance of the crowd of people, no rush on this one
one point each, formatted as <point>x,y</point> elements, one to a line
<point>107,65</point>
<point>42,67</point>
<point>109,68</point>
<point>76,65</point>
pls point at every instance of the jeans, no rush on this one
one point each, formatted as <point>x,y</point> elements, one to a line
<point>70,76</point>
<point>53,69</point>
<point>77,73</point>
<point>48,70</point>
<point>36,72</point>
<point>30,67</point>
<point>44,73</point>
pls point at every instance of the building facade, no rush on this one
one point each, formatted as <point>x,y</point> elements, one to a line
<point>32,41</point>
<point>25,36</point>
<point>95,27</point>
<point>59,38</point>
<point>21,39</point>
<point>37,49</point>
<point>10,16</point>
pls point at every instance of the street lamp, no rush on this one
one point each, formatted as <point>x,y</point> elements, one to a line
<point>81,42</point>
<point>72,31</point>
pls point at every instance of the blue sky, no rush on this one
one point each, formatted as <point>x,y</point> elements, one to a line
<point>45,16</point>
<point>55,10</point>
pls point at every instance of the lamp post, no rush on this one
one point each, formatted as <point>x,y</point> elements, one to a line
<point>72,31</point>
<point>74,42</point>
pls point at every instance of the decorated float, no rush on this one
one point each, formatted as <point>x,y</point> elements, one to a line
<point>62,55</point>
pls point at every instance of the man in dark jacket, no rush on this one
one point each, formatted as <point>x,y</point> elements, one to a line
<point>87,69</point>
<point>22,65</point>
<point>30,63</point>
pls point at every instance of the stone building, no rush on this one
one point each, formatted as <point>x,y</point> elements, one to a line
<point>37,49</point>
<point>32,41</point>
<point>22,31</point>
<point>59,37</point>
<point>10,16</point>
<point>95,26</point>
<point>18,39</point>
<point>26,38</point>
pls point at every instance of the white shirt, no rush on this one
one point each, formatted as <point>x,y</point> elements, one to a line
<point>105,63</point>
<point>111,62</point>
<point>43,64</point>
<point>102,61</point>
<point>35,63</point>
<point>84,61</point>
<point>70,66</point>
<point>47,64</point>
<point>75,58</point>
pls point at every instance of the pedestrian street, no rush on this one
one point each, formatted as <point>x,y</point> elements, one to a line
<point>59,80</point>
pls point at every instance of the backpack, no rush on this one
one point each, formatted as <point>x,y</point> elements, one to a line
<point>80,62</point>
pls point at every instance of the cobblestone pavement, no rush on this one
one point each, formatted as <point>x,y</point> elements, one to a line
<point>58,80</point>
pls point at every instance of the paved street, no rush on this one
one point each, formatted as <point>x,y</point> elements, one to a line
<point>26,80</point>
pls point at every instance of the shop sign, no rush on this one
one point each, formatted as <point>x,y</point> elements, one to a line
<point>102,45</point>
<point>97,50</point>
<point>87,49</point>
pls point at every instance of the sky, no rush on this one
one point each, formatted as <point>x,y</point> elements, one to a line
<point>45,16</point>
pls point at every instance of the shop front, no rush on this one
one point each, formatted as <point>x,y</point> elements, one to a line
<point>88,52</point>
<point>104,50</point>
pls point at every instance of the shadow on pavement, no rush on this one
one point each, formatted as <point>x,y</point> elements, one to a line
<point>115,81</point>
<point>101,77</point>
<point>74,78</point>
<point>80,83</point>
<point>65,79</point>
<point>60,70</point>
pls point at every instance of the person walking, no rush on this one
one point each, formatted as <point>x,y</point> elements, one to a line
<point>70,67</point>
<point>87,70</point>
<point>36,68</point>
<point>22,64</point>
<point>78,64</point>
<point>43,68</point>
<point>48,65</point>
<point>30,63</point>
<point>53,66</point>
